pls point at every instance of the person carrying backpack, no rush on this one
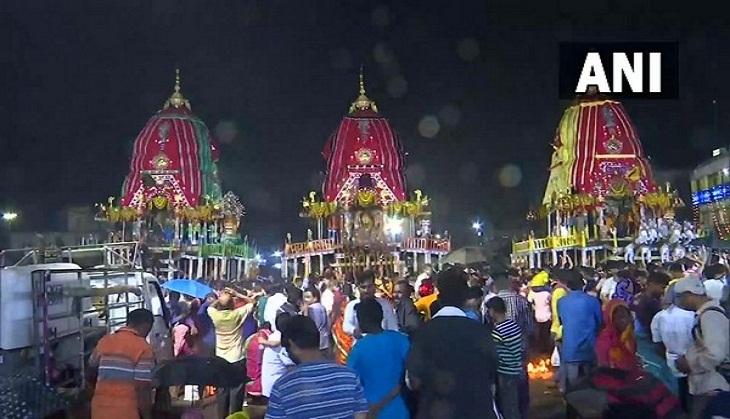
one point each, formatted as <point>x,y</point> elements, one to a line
<point>709,356</point>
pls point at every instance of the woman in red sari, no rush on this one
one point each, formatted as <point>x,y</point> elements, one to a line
<point>626,384</point>
<point>616,344</point>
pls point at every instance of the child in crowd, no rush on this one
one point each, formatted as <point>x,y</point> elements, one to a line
<point>507,336</point>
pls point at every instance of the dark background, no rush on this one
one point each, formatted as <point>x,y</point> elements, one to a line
<point>80,78</point>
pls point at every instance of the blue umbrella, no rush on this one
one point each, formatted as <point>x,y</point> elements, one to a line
<point>188,287</point>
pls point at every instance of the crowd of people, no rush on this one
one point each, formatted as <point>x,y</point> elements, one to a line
<point>449,345</point>
<point>655,338</point>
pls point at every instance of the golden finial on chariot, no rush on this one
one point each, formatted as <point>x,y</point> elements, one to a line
<point>362,102</point>
<point>177,100</point>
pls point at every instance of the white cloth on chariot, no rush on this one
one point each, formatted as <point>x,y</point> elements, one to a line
<point>629,254</point>
<point>665,253</point>
<point>646,254</point>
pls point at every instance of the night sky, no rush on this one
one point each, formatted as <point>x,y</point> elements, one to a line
<point>272,78</point>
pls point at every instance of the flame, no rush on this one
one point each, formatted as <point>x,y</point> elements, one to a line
<point>539,369</point>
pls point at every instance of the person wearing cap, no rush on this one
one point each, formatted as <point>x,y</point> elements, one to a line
<point>539,297</point>
<point>671,331</point>
<point>711,345</point>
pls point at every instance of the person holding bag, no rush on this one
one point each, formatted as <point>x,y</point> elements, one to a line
<point>709,354</point>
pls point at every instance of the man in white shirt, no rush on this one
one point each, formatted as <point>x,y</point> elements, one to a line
<point>366,285</point>
<point>328,295</point>
<point>275,360</point>
<point>715,281</point>
<point>710,347</point>
<point>273,304</point>
<point>672,328</point>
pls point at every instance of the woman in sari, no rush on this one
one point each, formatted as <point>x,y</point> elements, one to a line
<point>343,341</point>
<point>620,374</point>
<point>616,343</point>
<point>254,360</point>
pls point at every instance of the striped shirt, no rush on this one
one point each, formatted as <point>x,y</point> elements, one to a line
<point>317,390</point>
<point>519,310</point>
<point>125,361</point>
<point>508,338</point>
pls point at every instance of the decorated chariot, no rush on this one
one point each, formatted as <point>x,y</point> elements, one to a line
<point>364,217</point>
<point>172,202</point>
<point>601,198</point>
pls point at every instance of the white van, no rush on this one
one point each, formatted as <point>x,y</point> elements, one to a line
<point>69,304</point>
<point>151,298</point>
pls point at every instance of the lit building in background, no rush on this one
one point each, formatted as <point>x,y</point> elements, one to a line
<point>710,183</point>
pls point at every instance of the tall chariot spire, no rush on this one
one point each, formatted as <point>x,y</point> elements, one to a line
<point>363,103</point>
<point>177,100</point>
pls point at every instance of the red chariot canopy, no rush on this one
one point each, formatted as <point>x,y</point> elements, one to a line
<point>598,153</point>
<point>173,158</point>
<point>364,153</point>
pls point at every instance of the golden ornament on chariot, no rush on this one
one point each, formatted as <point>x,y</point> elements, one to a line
<point>159,202</point>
